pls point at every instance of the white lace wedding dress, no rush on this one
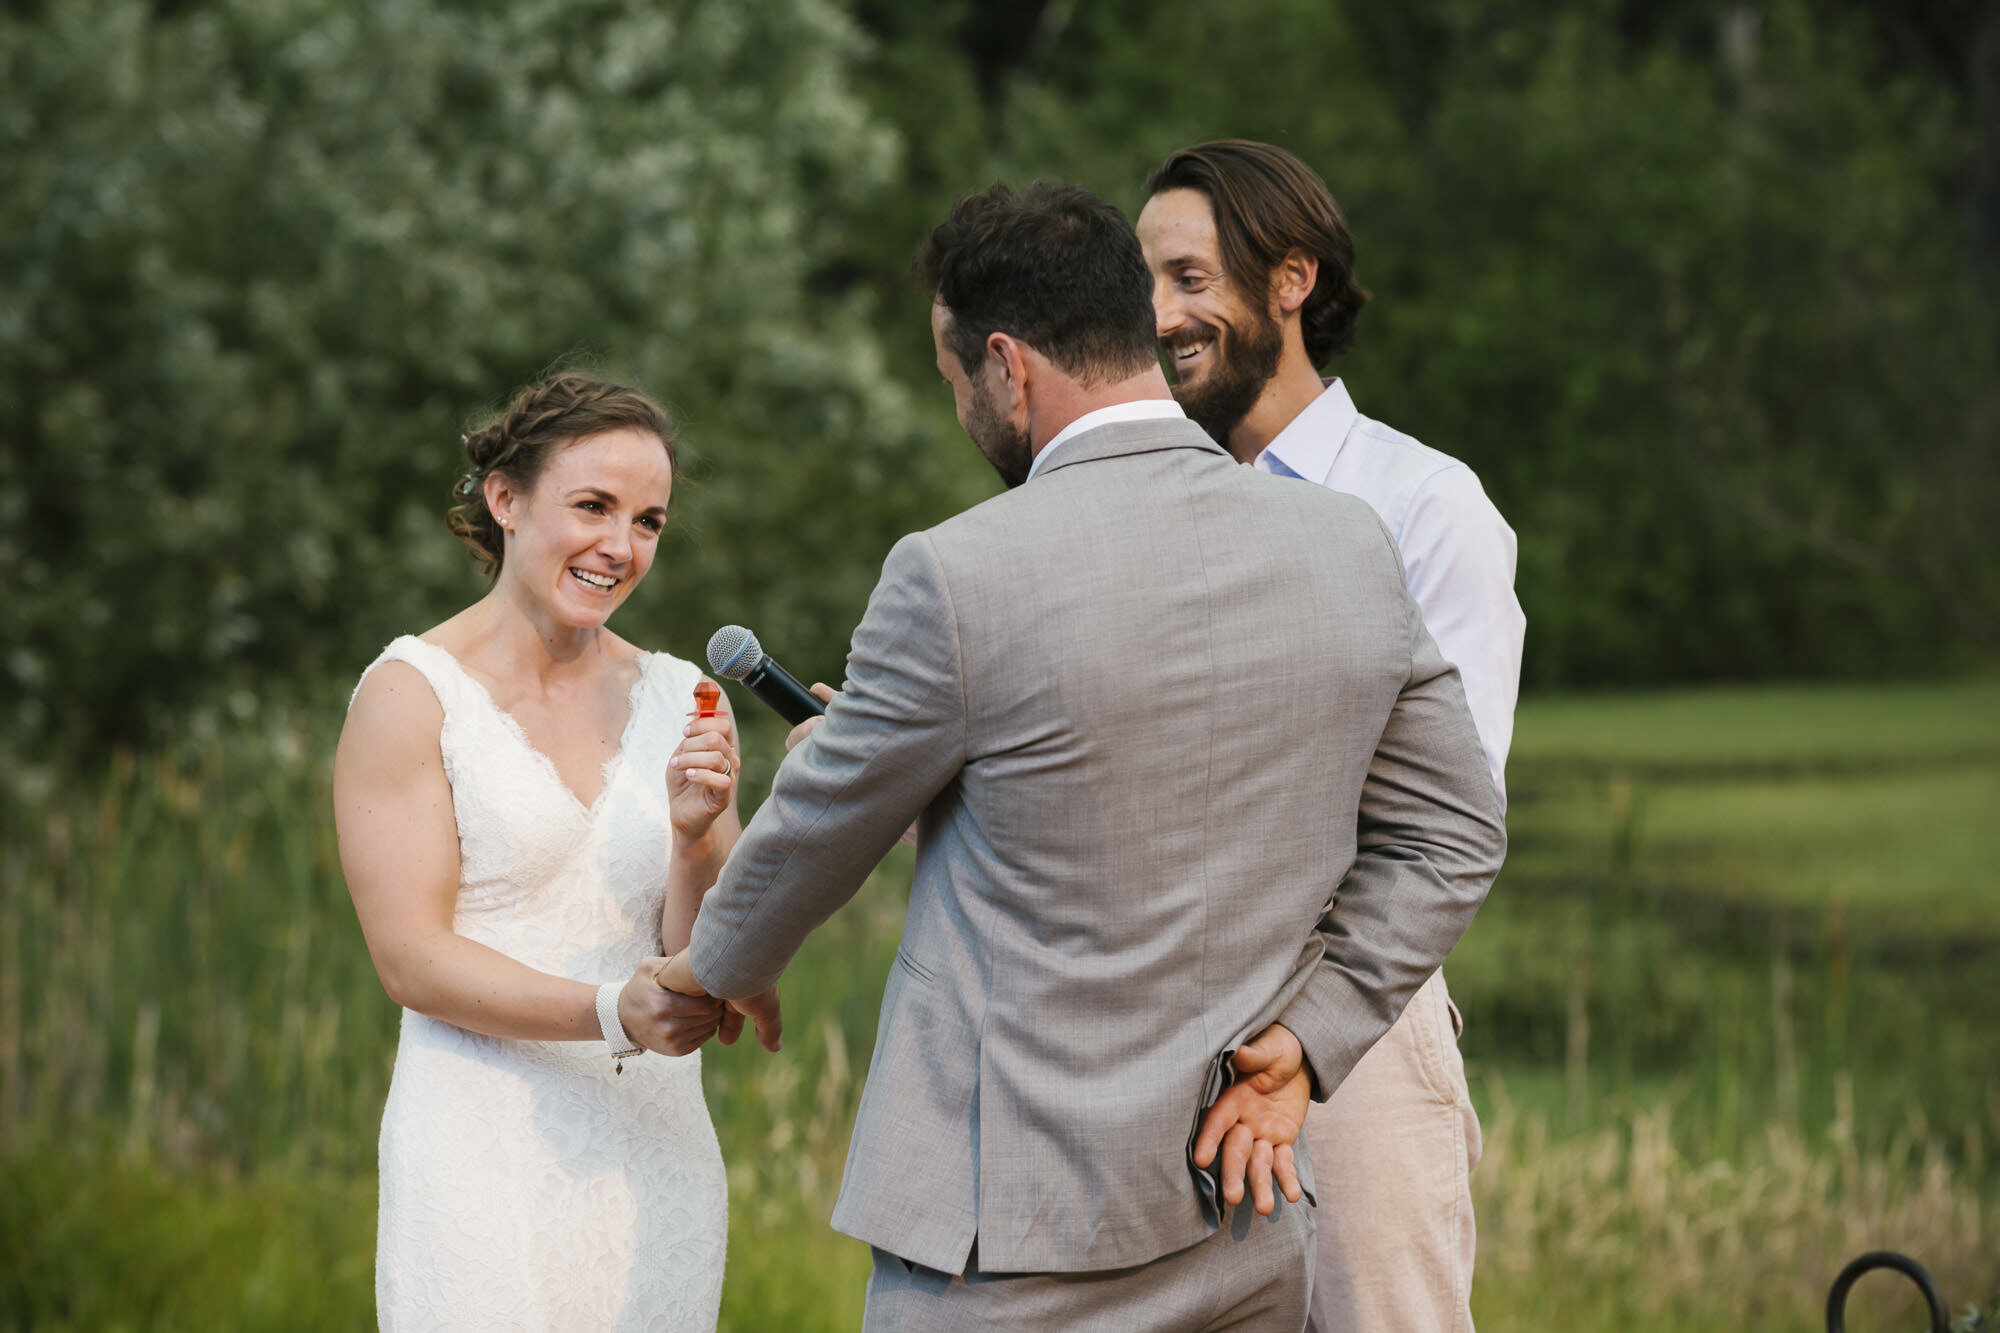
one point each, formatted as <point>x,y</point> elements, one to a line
<point>524,1184</point>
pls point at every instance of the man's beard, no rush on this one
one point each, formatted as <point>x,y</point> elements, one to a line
<point>1009,450</point>
<point>1237,378</point>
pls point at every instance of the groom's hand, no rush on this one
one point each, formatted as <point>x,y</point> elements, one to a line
<point>1256,1120</point>
<point>759,1009</point>
<point>674,975</point>
<point>822,692</point>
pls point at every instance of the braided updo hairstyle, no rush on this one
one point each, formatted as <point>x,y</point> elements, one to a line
<point>541,422</point>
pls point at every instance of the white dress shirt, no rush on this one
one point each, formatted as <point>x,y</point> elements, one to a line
<point>1139,409</point>
<point>1458,553</point>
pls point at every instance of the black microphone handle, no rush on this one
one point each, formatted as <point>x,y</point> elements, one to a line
<point>777,687</point>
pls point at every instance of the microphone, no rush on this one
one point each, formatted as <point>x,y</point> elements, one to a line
<point>734,653</point>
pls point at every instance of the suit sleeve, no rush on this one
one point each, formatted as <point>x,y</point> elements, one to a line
<point>892,739</point>
<point>1429,842</point>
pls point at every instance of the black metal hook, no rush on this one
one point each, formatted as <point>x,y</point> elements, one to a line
<point>1836,1299</point>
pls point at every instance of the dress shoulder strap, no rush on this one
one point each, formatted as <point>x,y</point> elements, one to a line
<point>453,688</point>
<point>446,677</point>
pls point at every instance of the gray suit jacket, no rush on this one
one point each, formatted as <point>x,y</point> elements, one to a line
<point>1153,710</point>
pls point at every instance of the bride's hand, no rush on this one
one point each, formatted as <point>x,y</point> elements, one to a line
<point>701,776</point>
<point>663,1020</point>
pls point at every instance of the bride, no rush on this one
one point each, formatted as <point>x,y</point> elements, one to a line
<point>528,818</point>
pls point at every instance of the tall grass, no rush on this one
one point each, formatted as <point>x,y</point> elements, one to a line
<point>1704,1086</point>
<point>184,980</point>
<point>1618,1228</point>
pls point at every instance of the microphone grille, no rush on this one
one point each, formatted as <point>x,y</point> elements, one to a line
<point>733,652</point>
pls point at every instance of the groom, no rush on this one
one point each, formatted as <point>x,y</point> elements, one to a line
<point>1143,764</point>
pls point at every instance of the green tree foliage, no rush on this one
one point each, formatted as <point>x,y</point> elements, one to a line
<point>1694,287</point>
<point>1701,289</point>
<point>267,257</point>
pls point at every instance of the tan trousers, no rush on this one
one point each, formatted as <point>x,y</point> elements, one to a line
<point>1393,1152</point>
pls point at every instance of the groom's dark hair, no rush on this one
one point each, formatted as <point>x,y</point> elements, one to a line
<point>1052,265</point>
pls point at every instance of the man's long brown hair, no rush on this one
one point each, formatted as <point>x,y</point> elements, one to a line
<point>1267,204</point>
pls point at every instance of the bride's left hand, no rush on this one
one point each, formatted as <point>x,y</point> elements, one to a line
<point>701,776</point>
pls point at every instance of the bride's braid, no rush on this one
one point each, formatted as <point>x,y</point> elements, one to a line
<point>538,424</point>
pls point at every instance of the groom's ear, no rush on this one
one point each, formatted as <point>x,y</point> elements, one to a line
<point>1010,360</point>
<point>1004,350</point>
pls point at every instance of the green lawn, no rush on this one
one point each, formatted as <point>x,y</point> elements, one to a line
<point>1797,726</point>
<point>1749,895</point>
<point>1886,801</point>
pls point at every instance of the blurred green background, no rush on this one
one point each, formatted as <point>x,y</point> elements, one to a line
<point>1703,291</point>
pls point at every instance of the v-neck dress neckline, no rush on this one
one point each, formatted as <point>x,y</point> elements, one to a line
<point>538,757</point>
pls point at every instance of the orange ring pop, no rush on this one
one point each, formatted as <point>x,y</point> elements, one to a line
<point>707,694</point>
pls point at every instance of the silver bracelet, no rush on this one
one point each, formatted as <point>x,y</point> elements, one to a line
<point>614,1031</point>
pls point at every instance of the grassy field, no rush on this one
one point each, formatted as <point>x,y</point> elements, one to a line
<point>1731,1008</point>
<point>1732,1018</point>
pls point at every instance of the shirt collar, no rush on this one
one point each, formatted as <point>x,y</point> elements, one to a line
<point>1138,409</point>
<point>1310,441</point>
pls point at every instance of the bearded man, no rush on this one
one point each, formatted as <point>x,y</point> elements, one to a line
<point>1254,291</point>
